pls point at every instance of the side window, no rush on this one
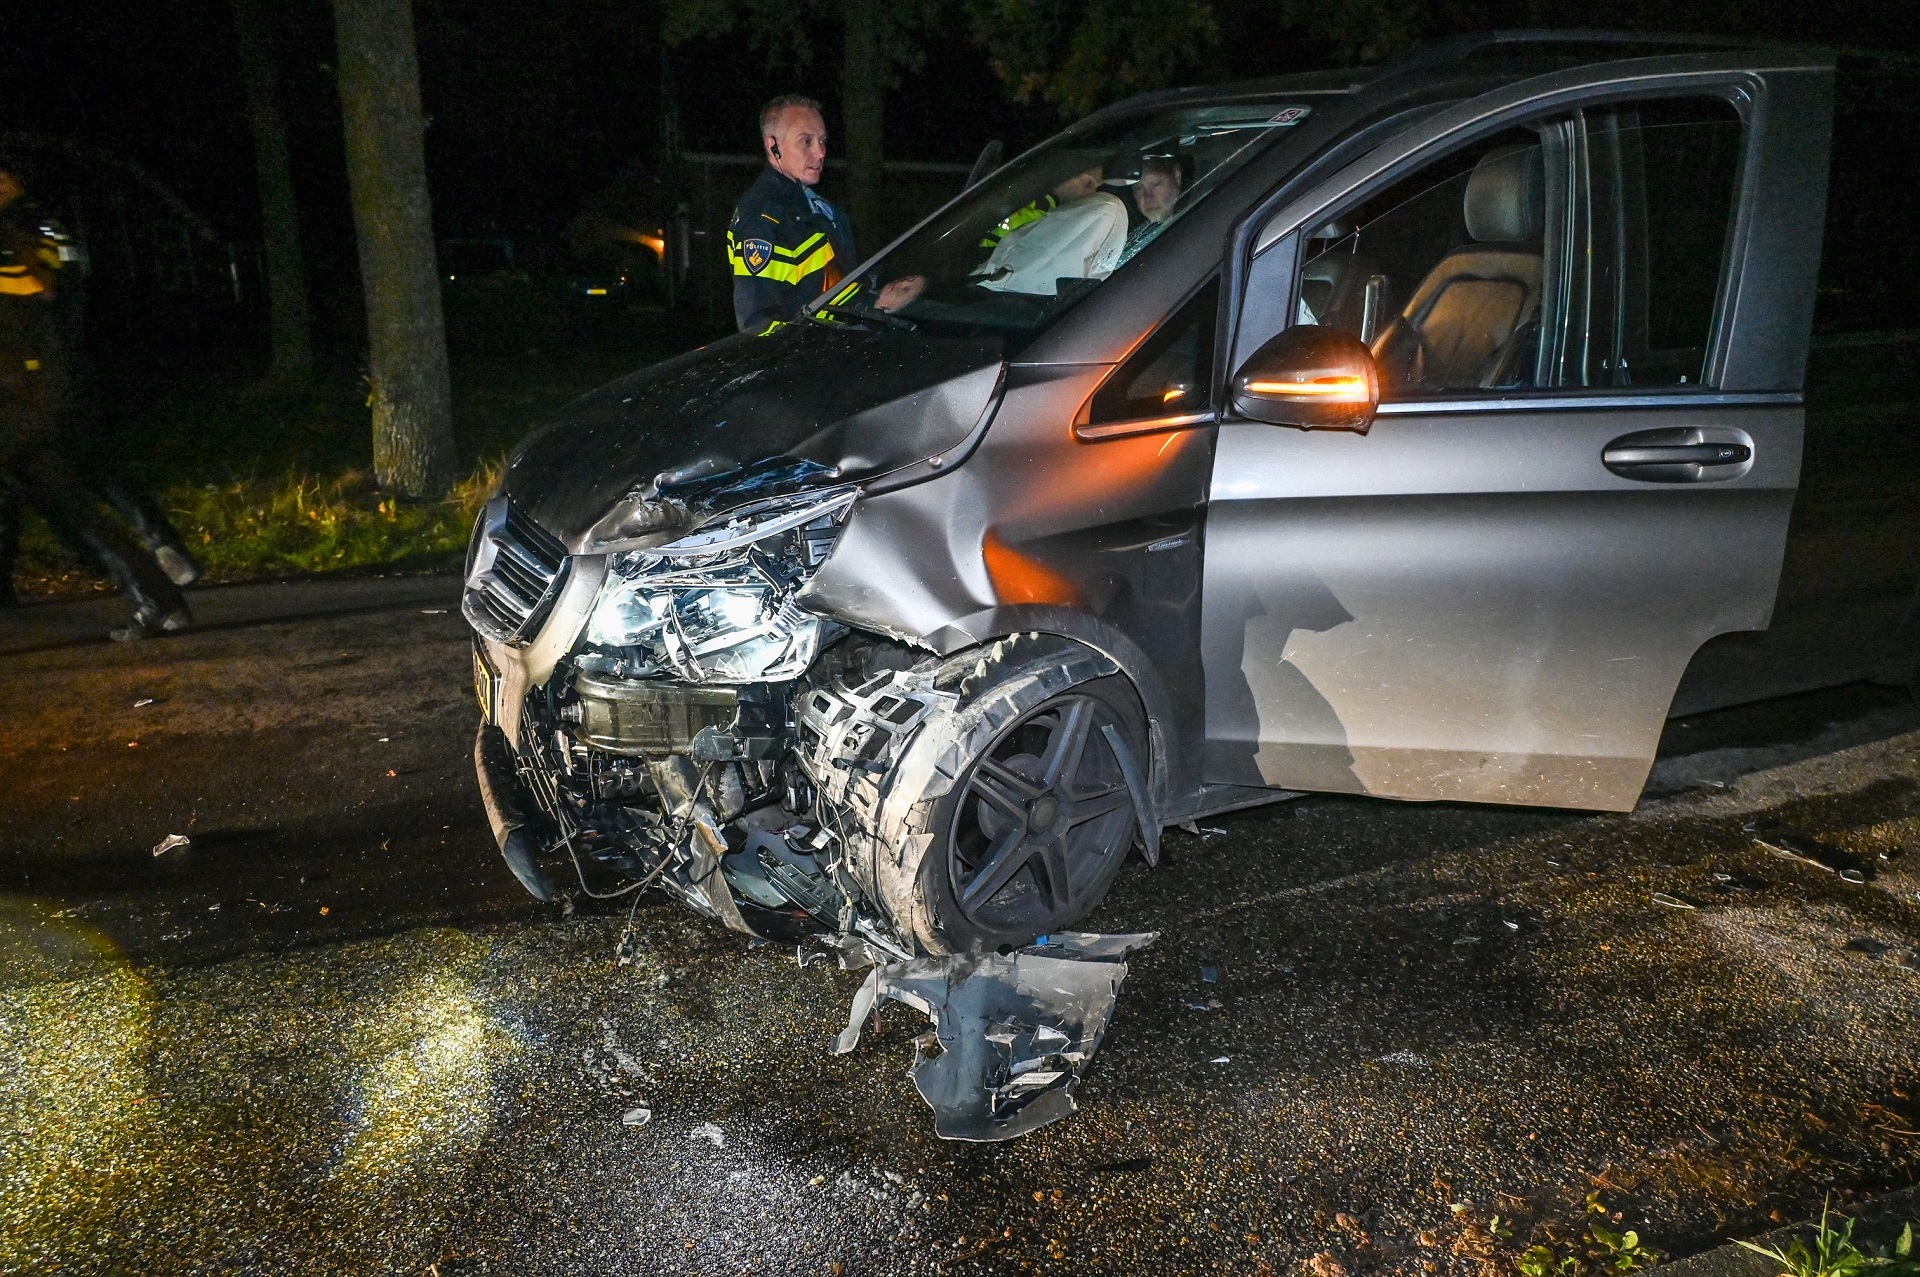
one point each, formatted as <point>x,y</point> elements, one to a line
<point>1172,371</point>
<point>1582,250</point>
<point>1442,273</point>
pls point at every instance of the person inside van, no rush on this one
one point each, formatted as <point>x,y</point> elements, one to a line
<point>1081,238</point>
<point>1158,189</point>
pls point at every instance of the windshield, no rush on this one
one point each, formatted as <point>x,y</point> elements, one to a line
<point>1051,226</point>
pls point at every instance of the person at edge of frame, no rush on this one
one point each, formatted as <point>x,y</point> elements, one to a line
<point>81,439</point>
<point>34,390</point>
<point>787,245</point>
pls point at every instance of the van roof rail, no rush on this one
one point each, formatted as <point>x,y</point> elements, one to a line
<point>1584,45</point>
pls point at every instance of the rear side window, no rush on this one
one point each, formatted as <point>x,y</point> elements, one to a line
<point>1870,262</point>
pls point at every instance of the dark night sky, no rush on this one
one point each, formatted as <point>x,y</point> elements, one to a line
<point>533,107</point>
<point>536,106</point>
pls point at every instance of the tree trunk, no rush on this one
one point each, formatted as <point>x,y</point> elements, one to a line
<point>863,101</point>
<point>279,215</point>
<point>379,77</point>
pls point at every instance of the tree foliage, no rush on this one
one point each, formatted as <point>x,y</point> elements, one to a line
<point>1366,30</point>
<point>783,30</point>
<point>1076,55</point>
<point>1081,54</point>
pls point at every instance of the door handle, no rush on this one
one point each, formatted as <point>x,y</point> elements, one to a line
<point>1667,454</point>
<point>1684,454</point>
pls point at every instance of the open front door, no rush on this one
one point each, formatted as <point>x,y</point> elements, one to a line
<point>1584,461</point>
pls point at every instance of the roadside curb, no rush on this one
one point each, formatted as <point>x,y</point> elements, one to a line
<point>1877,1223</point>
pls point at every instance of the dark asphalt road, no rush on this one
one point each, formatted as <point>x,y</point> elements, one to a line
<point>332,1036</point>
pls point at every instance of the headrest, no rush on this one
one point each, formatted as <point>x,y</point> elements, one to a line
<point>1504,196</point>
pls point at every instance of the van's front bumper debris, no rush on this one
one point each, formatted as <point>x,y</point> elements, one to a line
<point>1013,1033</point>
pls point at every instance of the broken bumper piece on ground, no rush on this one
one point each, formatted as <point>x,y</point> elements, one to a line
<point>1012,1032</point>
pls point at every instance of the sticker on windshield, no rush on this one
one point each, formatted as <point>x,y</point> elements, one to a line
<point>1291,115</point>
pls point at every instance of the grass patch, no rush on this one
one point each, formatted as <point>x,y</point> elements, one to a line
<point>288,524</point>
<point>265,483</point>
<point>307,523</point>
<point>1831,1252</point>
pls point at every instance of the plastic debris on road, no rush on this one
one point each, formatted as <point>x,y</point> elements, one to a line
<point>1672,902</point>
<point>1821,855</point>
<point>636,1117</point>
<point>1012,1032</point>
<point>710,1133</point>
<point>170,842</point>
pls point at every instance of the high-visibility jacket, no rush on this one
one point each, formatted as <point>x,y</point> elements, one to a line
<point>787,245</point>
<point>19,238</point>
<point>1019,217</point>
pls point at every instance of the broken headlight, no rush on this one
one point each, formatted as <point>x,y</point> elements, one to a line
<point>717,605</point>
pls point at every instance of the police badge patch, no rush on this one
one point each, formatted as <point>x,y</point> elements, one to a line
<point>756,253</point>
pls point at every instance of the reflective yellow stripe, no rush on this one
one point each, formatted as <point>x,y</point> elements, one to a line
<point>15,282</point>
<point>1018,218</point>
<point>805,244</point>
<point>733,245</point>
<point>818,260</point>
<point>783,272</point>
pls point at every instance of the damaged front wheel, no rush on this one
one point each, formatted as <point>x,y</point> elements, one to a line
<point>983,798</point>
<point>1031,838</point>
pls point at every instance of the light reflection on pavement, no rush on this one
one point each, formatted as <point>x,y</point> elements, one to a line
<point>201,1071</point>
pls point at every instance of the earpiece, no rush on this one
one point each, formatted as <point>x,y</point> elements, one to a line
<point>776,149</point>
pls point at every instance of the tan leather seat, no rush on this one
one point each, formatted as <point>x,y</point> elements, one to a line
<point>1460,327</point>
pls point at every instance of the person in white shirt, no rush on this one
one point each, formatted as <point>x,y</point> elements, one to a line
<point>1082,238</point>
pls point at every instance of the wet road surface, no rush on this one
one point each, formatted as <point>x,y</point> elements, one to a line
<point>332,1035</point>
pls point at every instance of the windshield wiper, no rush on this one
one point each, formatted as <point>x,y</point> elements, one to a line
<point>878,316</point>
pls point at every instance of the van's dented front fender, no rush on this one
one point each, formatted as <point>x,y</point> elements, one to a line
<point>1039,530</point>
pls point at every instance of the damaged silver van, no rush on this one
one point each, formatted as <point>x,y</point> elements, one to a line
<point>1432,432</point>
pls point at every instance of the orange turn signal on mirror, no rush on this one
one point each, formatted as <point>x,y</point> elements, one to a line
<point>1349,389</point>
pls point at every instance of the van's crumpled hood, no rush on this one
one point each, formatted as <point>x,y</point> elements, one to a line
<point>846,404</point>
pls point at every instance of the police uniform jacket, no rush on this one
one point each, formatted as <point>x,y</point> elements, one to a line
<point>787,245</point>
<point>32,372</point>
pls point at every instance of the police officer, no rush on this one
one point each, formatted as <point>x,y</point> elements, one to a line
<point>34,376</point>
<point>787,245</point>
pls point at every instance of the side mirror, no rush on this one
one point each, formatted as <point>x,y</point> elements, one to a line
<point>1309,376</point>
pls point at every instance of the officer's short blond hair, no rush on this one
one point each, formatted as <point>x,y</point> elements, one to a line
<point>770,113</point>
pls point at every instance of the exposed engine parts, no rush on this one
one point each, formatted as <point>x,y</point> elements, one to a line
<point>782,808</point>
<point>790,777</point>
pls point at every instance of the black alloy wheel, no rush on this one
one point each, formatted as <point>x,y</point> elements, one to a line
<point>1044,818</point>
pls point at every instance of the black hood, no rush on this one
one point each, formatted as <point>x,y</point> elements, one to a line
<point>844,403</point>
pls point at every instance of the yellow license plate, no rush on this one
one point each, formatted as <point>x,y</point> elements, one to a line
<point>486,686</point>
